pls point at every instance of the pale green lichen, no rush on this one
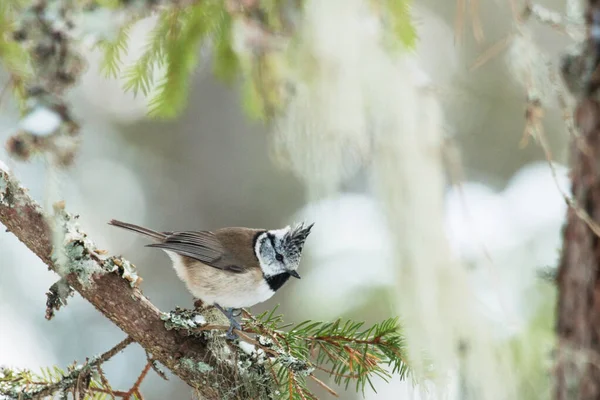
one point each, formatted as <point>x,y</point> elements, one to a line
<point>14,195</point>
<point>72,248</point>
<point>264,341</point>
<point>252,354</point>
<point>183,319</point>
<point>219,347</point>
<point>254,377</point>
<point>253,380</point>
<point>299,367</point>
<point>124,268</point>
<point>196,366</point>
<point>7,190</point>
<point>3,188</point>
<point>75,258</point>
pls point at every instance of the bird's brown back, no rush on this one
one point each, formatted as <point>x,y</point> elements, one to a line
<point>239,242</point>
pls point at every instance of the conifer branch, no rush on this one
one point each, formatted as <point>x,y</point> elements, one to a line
<point>85,381</point>
<point>350,353</point>
<point>41,48</point>
<point>190,342</point>
<point>110,284</point>
<point>27,385</point>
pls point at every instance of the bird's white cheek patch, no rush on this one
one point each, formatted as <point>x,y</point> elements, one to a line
<point>271,269</point>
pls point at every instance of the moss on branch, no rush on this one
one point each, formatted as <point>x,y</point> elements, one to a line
<point>106,282</point>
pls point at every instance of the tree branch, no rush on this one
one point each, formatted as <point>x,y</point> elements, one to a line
<point>75,375</point>
<point>92,275</point>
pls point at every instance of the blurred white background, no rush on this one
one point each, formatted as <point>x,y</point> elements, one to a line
<point>211,168</point>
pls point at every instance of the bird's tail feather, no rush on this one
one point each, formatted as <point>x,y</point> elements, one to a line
<point>139,229</point>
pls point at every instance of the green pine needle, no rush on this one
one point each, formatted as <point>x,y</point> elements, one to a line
<point>252,101</point>
<point>344,350</point>
<point>173,50</point>
<point>400,20</point>
<point>13,57</point>
<point>139,77</point>
<point>26,384</point>
<point>200,23</point>
<point>226,64</point>
<point>112,62</point>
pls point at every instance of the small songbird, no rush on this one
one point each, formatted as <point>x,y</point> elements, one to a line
<point>231,268</point>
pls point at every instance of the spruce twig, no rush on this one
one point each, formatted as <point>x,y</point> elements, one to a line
<point>342,350</point>
<point>25,385</point>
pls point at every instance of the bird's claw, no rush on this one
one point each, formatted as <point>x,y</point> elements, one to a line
<point>233,325</point>
<point>236,312</point>
<point>229,313</point>
<point>231,335</point>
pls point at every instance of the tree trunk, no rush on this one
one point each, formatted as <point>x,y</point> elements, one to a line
<point>578,315</point>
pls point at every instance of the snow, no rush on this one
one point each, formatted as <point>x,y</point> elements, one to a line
<point>247,347</point>
<point>41,121</point>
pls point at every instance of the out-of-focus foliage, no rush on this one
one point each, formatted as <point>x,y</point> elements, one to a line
<point>12,55</point>
<point>172,50</point>
<point>397,16</point>
<point>162,72</point>
<point>171,54</point>
<point>532,350</point>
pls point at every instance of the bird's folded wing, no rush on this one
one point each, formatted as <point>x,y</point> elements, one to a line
<point>203,246</point>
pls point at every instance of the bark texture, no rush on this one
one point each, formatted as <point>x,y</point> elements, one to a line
<point>578,315</point>
<point>207,363</point>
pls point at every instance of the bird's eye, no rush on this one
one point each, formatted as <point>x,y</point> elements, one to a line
<point>279,257</point>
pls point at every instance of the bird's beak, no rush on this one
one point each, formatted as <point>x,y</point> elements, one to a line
<point>294,274</point>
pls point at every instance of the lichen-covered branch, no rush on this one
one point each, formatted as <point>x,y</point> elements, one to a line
<point>40,48</point>
<point>205,361</point>
<point>344,350</point>
<point>81,381</point>
<point>23,385</point>
<point>191,343</point>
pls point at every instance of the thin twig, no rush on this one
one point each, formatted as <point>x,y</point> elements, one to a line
<point>459,20</point>
<point>104,381</point>
<point>580,212</point>
<point>158,371</point>
<point>112,352</point>
<point>491,52</point>
<point>323,385</point>
<point>337,374</point>
<point>113,393</point>
<point>476,21</point>
<point>298,388</point>
<point>135,389</point>
<point>255,342</point>
<point>72,380</point>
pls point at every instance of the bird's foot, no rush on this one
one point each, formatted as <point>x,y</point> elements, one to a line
<point>236,312</point>
<point>234,324</point>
